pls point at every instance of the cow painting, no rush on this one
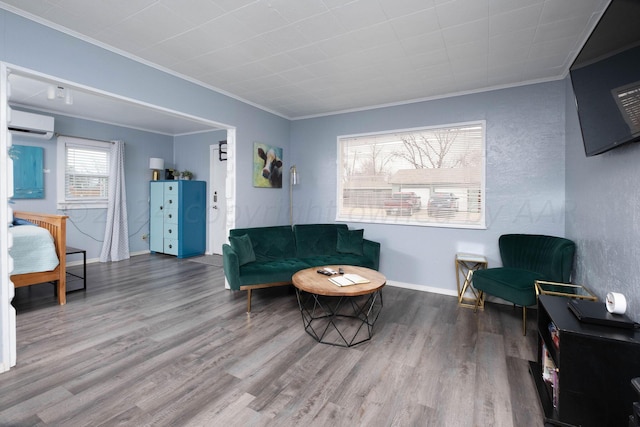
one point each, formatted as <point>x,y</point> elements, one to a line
<point>268,166</point>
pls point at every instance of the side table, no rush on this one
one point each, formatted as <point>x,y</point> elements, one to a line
<point>70,251</point>
<point>568,290</point>
<point>466,264</point>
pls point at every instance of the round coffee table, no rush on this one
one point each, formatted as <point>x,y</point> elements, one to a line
<point>339,315</point>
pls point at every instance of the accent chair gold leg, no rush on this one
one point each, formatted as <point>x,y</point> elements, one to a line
<point>248,300</point>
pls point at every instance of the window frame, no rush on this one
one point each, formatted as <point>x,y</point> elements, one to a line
<point>86,203</point>
<point>382,218</point>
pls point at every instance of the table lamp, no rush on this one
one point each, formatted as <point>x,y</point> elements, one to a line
<point>156,165</point>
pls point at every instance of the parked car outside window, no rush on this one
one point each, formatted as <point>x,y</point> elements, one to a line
<point>405,203</point>
<point>442,204</point>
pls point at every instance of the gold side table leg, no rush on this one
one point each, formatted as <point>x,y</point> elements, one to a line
<point>479,302</point>
<point>477,299</point>
<point>465,286</point>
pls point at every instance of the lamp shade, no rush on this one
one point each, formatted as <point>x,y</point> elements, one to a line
<point>156,163</point>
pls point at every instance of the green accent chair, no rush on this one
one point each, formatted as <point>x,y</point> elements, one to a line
<point>525,259</point>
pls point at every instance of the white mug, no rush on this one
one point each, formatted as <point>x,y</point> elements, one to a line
<point>616,303</point>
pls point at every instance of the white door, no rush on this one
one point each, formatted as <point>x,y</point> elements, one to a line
<point>217,200</point>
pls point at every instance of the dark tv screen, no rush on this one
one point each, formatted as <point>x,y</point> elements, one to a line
<point>606,79</point>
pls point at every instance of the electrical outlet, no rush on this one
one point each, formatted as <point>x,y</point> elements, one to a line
<point>145,236</point>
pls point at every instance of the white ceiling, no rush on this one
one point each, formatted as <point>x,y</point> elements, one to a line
<point>300,58</point>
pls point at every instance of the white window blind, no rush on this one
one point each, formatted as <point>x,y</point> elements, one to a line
<point>86,172</point>
<point>432,176</point>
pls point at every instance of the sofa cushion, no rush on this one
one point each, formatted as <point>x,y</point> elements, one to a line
<point>270,243</point>
<point>316,239</point>
<point>339,259</point>
<point>350,241</point>
<point>280,270</point>
<point>513,284</point>
<point>242,246</point>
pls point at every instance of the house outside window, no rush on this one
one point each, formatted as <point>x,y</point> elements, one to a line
<point>83,173</point>
<point>430,176</point>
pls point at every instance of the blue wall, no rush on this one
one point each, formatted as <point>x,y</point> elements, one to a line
<point>524,176</point>
<point>85,227</point>
<point>33,46</point>
<point>603,214</point>
<point>191,152</point>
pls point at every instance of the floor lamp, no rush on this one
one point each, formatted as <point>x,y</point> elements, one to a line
<point>294,179</point>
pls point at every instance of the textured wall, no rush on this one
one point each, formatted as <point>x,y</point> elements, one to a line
<point>524,184</point>
<point>603,214</point>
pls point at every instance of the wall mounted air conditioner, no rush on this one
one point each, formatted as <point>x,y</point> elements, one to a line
<point>29,124</point>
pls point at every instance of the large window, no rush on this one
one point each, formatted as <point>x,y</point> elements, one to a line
<point>428,176</point>
<point>83,173</point>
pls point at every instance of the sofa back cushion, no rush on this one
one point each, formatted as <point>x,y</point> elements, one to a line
<point>316,239</point>
<point>243,247</point>
<point>269,243</point>
<point>547,255</point>
<point>350,241</point>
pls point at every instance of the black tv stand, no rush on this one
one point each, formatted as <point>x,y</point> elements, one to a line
<point>594,368</point>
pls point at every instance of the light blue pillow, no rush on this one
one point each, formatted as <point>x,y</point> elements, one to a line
<point>20,221</point>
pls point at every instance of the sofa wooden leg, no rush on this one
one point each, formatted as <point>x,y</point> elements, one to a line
<point>524,320</point>
<point>248,300</point>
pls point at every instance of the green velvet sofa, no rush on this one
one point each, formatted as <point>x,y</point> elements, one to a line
<point>264,257</point>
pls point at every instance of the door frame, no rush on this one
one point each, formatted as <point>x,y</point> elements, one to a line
<point>7,312</point>
<point>8,354</point>
<point>218,231</point>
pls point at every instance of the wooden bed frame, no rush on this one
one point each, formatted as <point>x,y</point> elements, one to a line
<point>57,226</point>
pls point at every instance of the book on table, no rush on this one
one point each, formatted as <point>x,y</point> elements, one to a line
<point>348,280</point>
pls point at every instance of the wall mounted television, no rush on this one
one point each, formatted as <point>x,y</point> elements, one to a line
<point>606,79</point>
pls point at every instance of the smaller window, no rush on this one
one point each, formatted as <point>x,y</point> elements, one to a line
<point>83,173</point>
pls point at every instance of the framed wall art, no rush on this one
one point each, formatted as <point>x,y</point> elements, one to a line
<point>267,166</point>
<point>28,172</point>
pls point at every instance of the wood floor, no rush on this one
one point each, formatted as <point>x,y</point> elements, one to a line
<point>157,341</point>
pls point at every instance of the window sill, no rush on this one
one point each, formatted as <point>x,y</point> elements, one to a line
<point>81,205</point>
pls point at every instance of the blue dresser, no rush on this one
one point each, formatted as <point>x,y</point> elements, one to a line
<point>178,212</point>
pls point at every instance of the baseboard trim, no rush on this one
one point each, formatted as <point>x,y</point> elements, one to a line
<point>441,291</point>
<point>431,289</point>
